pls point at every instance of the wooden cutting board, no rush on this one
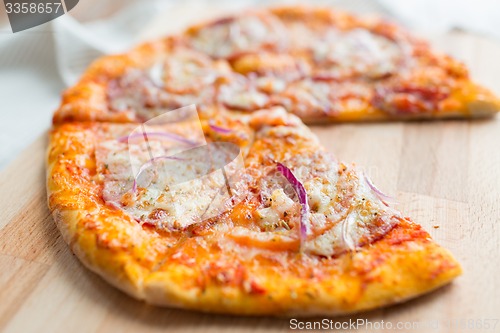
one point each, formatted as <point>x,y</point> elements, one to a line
<point>446,175</point>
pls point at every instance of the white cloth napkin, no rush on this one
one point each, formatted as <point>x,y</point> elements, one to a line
<point>78,43</point>
<point>439,16</point>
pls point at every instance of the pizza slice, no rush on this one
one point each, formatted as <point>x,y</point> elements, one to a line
<point>334,67</point>
<point>275,227</point>
<point>330,66</point>
<point>320,64</point>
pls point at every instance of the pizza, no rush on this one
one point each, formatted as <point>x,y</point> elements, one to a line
<point>183,172</point>
<point>319,64</point>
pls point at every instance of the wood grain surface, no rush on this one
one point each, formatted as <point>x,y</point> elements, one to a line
<point>445,174</point>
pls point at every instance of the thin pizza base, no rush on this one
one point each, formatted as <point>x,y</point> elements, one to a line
<point>404,263</point>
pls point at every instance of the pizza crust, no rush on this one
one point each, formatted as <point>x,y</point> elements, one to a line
<point>411,270</point>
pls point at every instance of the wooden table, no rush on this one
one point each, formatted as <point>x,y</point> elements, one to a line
<point>445,174</point>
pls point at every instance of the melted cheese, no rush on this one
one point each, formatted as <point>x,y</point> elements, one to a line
<point>279,213</point>
<point>170,193</point>
<point>344,212</point>
<point>183,78</point>
<point>189,71</point>
<point>242,95</point>
<point>357,52</point>
<point>309,97</point>
<point>242,34</point>
<point>163,198</point>
<point>361,221</point>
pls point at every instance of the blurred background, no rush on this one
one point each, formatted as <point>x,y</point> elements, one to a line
<point>37,64</point>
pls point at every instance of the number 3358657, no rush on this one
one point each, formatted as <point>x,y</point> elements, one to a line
<point>32,8</point>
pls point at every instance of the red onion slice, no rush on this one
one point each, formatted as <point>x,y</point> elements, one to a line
<point>301,193</point>
<point>159,135</point>
<point>386,199</point>
<point>219,129</point>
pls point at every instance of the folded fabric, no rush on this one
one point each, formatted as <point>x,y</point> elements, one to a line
<point>479,16</point>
